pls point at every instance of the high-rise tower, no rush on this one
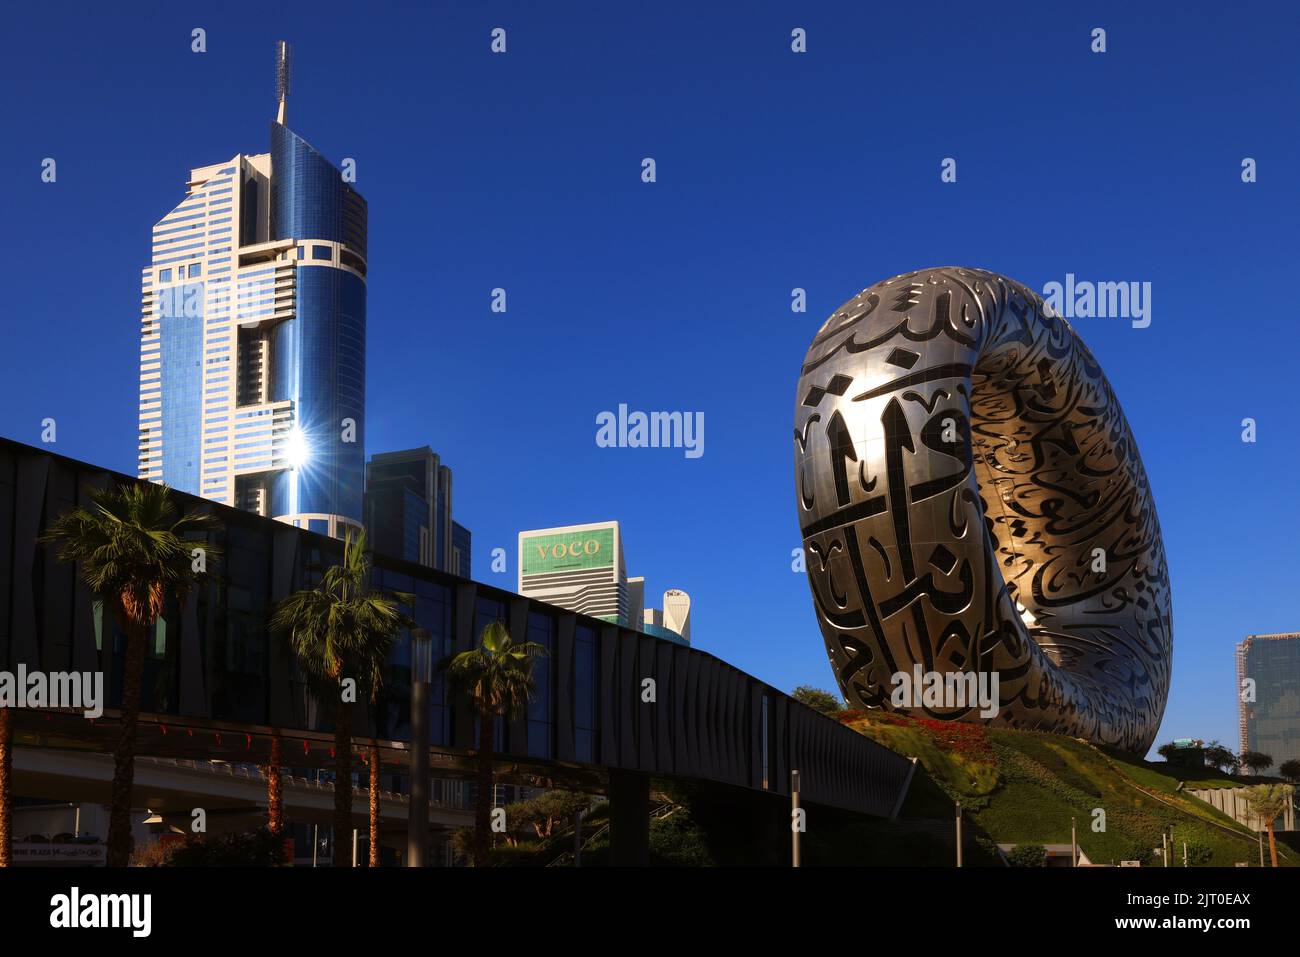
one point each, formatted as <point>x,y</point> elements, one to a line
<point>408,511</point>
<point>1268,695</point>
<point>579,567</point>
<point>253,333</point>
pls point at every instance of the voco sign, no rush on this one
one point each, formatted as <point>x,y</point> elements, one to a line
<point>574,549</point>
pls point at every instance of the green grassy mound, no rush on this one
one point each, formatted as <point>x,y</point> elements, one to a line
<point>1025,787</point>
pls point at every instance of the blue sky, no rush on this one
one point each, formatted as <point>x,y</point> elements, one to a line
<point>775,170</point>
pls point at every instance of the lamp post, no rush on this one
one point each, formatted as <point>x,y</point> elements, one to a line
<point>417,826</point>
<point>959,833</point>
<point>795,823</point>
<point>577,836</point>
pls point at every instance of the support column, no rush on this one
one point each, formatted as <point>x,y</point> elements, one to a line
<point>417,823</point>
<point>629,818</point>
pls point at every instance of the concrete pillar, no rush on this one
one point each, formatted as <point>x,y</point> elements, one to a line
<point>629,818</point>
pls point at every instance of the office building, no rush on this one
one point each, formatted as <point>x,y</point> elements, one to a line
<point>581,568</point>
<point>253,334</point>
<point>1268,695</point>
<point>673,621</point>
<point>578,567</point>
<point>408,509</point>
<point>635,601</point>
<point>462,550</point>
<point>677,612</point>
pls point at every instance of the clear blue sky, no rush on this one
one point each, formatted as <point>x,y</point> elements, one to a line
<point>775,170</point>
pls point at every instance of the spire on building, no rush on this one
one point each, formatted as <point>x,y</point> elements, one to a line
<point>283,65</point>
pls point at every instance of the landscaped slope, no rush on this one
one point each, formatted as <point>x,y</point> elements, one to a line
<point>1020,787</point>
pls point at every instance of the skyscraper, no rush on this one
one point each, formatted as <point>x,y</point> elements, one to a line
<point>1268,695</point>
<point>635,601</point>
<point>677,612</point>
<point>253,332</point>
<point>408,510</point>
<point>579,567</point>
<point>673,621</point>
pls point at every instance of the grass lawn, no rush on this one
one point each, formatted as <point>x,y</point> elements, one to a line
<point>1025,787</point>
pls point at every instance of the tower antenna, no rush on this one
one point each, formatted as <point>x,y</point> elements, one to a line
<point>283,67</point>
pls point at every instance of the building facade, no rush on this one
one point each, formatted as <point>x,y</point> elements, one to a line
<point>1268,695</point>
<point>635,601</point>
<point>677,612</point>
<point>252,337</point>
<point>462,548</point>
<point>579,567</point>
<point>215,681</point>
<point>654,629</point>
<point>673,621</point>
<point>408,509</point>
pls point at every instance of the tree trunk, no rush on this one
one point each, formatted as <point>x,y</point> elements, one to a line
<point>343,785</point>
<point>274,787</point>
<point>483,806</point>
<point>1272,844</point>
<point>119,819</point>
<point>374,804</point>
<point>6,782</point>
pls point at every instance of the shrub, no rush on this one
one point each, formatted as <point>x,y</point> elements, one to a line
<point>1198,854</point>
<point>1028,855</point>
<point>818,700</point>
<point>258,849</point>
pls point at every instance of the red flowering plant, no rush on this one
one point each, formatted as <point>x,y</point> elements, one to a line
<point>965,738</point>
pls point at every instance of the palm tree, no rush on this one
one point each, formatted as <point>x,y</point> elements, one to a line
<point>373,761</point>
<point>134,554</point>
<point>1267,801</point>
<point>274,786</point>
<point>341,631</point>
<point>498,676</point>
<point>6,801</point>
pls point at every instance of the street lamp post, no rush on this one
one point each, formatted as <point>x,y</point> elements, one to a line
<point>959,833</point>
<point>577,836</point>
<point>795,823</point>
<point>417,828</point>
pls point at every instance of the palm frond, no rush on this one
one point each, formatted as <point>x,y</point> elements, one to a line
<point>131,550</point>
<point>497,674</point>
<point>344,627</point>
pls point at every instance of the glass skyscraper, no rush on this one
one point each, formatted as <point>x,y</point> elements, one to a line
<point>408,511</point>
<point>1268,695</point>
<point>252,339</point>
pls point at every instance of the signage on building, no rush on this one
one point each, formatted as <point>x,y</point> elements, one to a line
<point>59,855</point>
<point>568,551</point>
